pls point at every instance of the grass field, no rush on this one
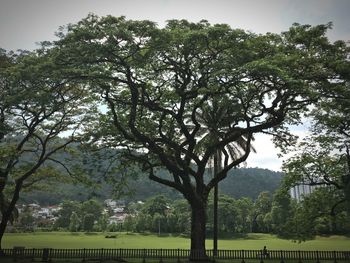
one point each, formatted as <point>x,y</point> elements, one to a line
<point>125,240</point>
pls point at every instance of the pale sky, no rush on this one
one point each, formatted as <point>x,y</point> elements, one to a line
<point>23,23</point>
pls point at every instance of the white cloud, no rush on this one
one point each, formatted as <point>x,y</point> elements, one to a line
<point>266,154</point>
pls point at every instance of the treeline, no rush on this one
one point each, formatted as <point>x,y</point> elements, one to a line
<point>276,214</point>
<point>72,216</point>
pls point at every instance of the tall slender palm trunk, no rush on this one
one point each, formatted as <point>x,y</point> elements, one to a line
<point>217,168</point>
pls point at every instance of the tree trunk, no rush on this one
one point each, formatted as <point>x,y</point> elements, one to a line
<point>198,222</point>
<point>217,166</point>
<point>215,223</point>
<point>8,212</point>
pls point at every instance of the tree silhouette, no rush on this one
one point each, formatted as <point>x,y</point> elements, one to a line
<point>155,82</point>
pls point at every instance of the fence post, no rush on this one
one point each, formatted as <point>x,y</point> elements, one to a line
<point>261,257</point>
<point>282,259</point>
<point>214,255</point>
<point>83,260</point>
<point>17,252</point>
<point>161,256</point>
<point>335,256</point>
<point>242,256</point>
<point>318,259</point>
<point>299,256</point>
<point>178,256</point>
<point>45,255</point>
<point>144,256</point>
<point>33,254</point>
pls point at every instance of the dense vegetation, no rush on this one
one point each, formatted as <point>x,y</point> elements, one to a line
<point>242,182</point>
<point>270,213</point>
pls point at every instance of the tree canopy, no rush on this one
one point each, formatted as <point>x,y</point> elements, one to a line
<point>37,109</point>
<point>156,82</point>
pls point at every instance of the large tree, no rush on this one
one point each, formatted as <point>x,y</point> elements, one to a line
<point>156,82</point>
<point>37,110</point>
<point>213,120</point>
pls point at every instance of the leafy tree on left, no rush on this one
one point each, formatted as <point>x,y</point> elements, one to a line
<point>40,115</point>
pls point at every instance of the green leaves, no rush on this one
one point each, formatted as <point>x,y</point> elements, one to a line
<point>157,82</point>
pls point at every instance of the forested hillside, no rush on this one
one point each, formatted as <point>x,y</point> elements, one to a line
<point>243,182</point>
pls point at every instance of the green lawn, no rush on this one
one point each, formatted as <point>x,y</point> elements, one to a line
<point>124,240</point>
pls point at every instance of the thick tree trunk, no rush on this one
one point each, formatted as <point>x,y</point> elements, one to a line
<point>198,222</point>
<point>8,212</point>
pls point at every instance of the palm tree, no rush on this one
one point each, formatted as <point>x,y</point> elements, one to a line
<point>215,120</point>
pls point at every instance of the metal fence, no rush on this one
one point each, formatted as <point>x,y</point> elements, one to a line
<point>47,254</point>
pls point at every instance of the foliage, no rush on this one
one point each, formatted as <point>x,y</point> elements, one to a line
<point>26,220</point>
<point>91,207</point>
<point>74,222</point>
<point>88,222</point>
<point>102,223</point>
<point>282,213</point>
<point>76,211</point>
<point>65,213</point>
<point>262,207</point>
<point>323,158</point>
<point>37,109</point>
<point>240,182</point>
<point>156,82</point>
<point>157,204</point>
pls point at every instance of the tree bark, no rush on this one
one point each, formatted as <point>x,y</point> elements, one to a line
<point>198,222</point>
<point>7,214</point>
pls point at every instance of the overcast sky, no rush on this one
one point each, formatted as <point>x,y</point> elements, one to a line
<point>23,23</point>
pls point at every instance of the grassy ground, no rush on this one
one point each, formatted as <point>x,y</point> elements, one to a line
<point>124,240</point>
<point>10,260</point>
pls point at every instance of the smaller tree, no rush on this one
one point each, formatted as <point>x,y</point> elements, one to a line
<point>282,213</point>
<point>262,207</point>
<point>91,207</point>
<point>159,224</point>
<point>102,223</point>
<point>128,224</point>
<point>181,209</point>
<point>40,114</point>
<point>244,220</point>
<point>88,222</point>
<point>74,222</point>
<point>158,204</point>
<point>65,213</point>
<point>26,219</point>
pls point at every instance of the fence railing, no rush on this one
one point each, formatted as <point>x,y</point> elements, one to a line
<point>47,254</point>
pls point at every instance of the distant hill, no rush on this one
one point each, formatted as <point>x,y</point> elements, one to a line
<point>249,182</point>
<point>242,182</point>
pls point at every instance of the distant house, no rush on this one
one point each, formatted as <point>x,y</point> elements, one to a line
<point>110,203</point>
<point>34,206</point>
<point>118,210</point>
<point>45,212</point>
<point>117,219</point>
